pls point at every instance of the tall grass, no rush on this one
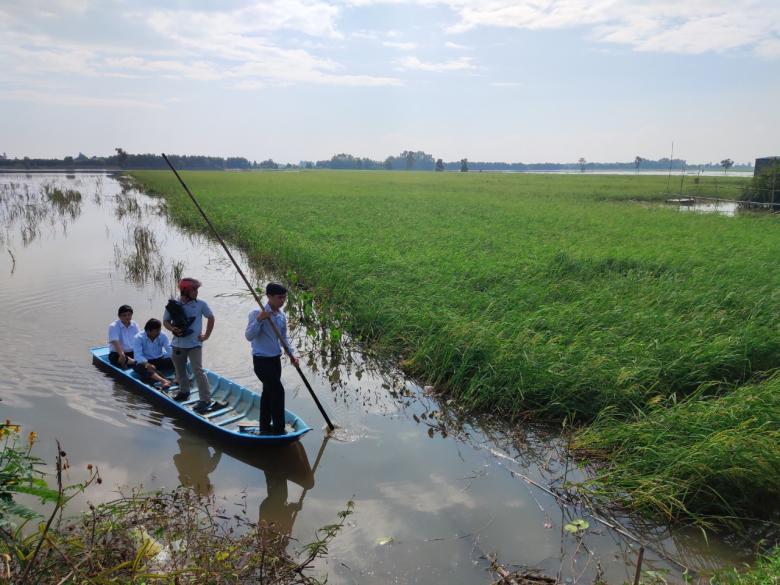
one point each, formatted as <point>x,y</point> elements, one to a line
<point>558,295</point>
<point>517,292</point>
<point>766,571</point>
<point>715,455</point>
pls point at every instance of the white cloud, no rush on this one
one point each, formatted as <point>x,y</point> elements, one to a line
<point>197,70</point>
<point>451,45</point>
<point>462,64</point>
<point>439,494</point>
<point>670,26</point>
<point>238,47</point>
<point>507,84</point>
<point>769,49</point>
<point>61,99</point>
<point>400,45</point>
<point>240,42</point>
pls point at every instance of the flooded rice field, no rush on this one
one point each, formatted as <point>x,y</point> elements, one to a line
<point>437,496</point>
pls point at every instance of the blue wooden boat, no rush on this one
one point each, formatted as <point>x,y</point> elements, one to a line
<point>235,419</point>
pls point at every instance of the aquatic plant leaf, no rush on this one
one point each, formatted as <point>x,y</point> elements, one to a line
<point>576,526</point>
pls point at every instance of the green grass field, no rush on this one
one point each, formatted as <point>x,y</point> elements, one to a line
<point>561,295</point>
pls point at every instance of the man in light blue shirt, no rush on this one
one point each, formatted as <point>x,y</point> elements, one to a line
<point>152,352</point>
<point>267,357</point>
<point>188,342</point>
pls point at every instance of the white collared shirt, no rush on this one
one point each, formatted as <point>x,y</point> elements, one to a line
<point>124,335</point>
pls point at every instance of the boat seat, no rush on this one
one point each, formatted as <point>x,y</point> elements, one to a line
<point>219,412</point>
<point>231,420</point>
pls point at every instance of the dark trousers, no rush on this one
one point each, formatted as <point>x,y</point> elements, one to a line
<point>162,364</point>
<point>113,358</point>
<point>269,372</point>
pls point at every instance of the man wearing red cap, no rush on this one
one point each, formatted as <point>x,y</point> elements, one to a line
<point>185,320</point>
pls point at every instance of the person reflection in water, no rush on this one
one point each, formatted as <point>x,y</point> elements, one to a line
<point>275,510</point>
<point>195,462</point>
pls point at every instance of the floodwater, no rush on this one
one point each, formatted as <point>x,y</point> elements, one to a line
<point>692,205</point>
<point>435,494</point>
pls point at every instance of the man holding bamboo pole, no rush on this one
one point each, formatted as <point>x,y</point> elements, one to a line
<point>267,356</point>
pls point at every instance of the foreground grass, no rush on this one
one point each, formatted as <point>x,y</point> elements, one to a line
<point>708,454</point>
<point>172,537</point>
<point>765,572</point>
<point>518,293</point>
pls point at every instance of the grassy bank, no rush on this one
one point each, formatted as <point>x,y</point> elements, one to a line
<point>708,455</point>
<point>551,294</point>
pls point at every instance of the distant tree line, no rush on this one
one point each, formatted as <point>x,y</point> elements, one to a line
<point>421,161</point>
<point>123,160</point>
<point>408,160</point>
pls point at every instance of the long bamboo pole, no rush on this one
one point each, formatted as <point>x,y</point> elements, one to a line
<point>251,290</point>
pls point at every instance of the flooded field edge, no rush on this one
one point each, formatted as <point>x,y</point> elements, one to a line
<point>336,353</point>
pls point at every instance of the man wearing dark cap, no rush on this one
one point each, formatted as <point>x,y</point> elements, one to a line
<point>267,357</point>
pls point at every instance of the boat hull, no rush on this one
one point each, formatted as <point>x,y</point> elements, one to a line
<point>236,421</point>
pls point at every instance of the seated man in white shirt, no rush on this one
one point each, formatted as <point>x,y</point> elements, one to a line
<point>152,353</point>
<point>120,338</point>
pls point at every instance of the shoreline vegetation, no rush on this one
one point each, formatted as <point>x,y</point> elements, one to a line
<point>166,537</point>
<point>176,536</point>
<point>547,296</point>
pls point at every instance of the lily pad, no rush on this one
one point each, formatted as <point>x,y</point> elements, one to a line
<point>576,526</point>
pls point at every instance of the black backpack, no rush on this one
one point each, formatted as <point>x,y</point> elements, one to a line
<point>179,317</point>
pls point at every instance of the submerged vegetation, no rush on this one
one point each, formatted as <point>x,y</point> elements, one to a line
<point>139,254</point>
<point>552,295</point>
<point>31,210</point>
<point>164,537</point>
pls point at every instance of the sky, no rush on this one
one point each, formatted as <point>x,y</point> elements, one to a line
<point>488,80</point>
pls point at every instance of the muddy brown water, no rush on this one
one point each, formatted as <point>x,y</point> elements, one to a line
<point>434,494</point>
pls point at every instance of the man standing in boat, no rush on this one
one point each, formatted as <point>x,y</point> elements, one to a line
<point>184,318</point>
<point>267,357</point>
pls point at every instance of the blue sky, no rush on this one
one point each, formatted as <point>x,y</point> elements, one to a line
<point>533,81</point>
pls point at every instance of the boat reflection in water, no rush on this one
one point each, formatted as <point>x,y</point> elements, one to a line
<point>198,458</point>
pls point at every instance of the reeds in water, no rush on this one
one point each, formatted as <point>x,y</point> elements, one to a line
<point>140,257</point>
<point>30,210</point>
